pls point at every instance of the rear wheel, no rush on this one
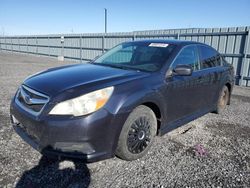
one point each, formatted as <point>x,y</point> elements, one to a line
<point>223,99</point>
<point>137,134</point>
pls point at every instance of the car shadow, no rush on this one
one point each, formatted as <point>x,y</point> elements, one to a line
<point>56,173</point>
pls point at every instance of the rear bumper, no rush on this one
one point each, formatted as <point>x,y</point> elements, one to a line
<point>91,138</point>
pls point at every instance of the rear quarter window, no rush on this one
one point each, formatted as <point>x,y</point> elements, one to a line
<point>209,57</point>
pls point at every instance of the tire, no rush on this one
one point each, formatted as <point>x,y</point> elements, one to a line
<point>223,100</point>
<point>137,134</point>
<point>47,160</point>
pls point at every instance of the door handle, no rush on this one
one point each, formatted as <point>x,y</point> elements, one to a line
<point>200,79</point>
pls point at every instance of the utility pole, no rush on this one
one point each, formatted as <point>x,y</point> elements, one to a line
<point>105,17</point>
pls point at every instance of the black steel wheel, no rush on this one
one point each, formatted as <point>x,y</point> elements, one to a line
<point>137,134</point>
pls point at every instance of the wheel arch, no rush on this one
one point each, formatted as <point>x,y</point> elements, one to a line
<point>152,100</point>
<point>229,86</point>
<point>157,111</point>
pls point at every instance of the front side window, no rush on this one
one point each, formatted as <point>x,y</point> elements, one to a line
<point>209,57</point>
<point>143,56</point>
<point>187,56</point>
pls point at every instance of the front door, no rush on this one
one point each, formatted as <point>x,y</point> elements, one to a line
<point>184,94</point>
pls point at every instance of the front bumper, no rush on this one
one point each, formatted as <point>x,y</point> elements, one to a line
<point>91,138</point>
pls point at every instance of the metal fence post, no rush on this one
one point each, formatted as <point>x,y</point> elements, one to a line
<point>48,47</point>
<point>1,44</point>
<point>62,47</point>
<point>19,44</point>
<point>244,70</point>
<point>5,43</point>
<point>80,48</point>
<point>103,39</point>
<point>36,46</point>
<point>134,36</point>
<point>11,45</point>
<point>27,49</point>
<point>178,36</point>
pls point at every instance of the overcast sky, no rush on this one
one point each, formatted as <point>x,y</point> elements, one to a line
<point>25,17</point>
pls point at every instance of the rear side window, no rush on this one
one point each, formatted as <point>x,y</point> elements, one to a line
<point>188,56</point>
<point>209,57</point>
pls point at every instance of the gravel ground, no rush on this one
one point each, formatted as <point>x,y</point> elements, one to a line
<point>212,151</point>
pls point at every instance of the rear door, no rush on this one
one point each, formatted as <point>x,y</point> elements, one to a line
<point>211,66</point>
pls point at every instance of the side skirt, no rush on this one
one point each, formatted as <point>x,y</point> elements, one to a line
<point>178,123</point>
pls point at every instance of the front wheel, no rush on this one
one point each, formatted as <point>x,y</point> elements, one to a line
<point>223,99</point>
<point>137,134</point>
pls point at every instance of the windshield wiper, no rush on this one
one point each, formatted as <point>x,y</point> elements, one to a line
<point>114,66</point>
<point>118,66</point>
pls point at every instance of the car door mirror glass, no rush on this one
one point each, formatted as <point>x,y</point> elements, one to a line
<point>183,70</point>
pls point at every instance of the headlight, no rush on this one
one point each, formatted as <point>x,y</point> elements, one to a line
<point>84,104</point>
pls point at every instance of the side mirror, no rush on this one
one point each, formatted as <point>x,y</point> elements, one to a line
<point>183,70</point>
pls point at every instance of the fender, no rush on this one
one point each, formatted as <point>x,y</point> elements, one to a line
<point>139,94</point>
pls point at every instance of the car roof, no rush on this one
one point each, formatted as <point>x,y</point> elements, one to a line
<point>175,42</point>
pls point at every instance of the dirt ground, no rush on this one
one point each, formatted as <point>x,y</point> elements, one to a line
<point>212,151</point>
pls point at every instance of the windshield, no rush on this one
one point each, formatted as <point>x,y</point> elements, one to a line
<point>137,55</point>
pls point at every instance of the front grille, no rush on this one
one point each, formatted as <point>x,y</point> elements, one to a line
<point>30,99</point>
<point>35,108</point>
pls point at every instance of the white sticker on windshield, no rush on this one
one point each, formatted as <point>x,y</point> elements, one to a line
<point>161,45</point>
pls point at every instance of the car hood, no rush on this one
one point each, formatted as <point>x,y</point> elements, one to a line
<point>57,80</point>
